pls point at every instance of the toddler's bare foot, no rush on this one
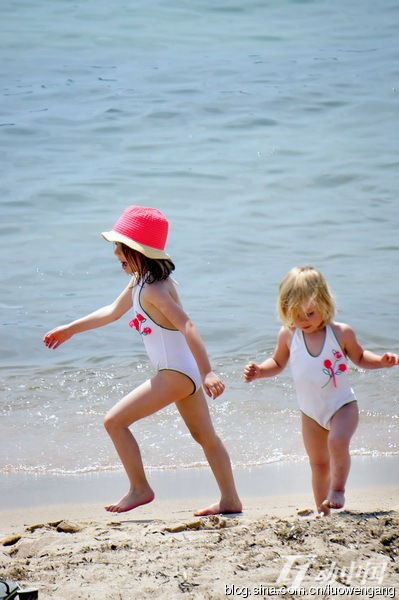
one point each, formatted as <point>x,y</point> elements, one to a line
<point>323,510</point>
<point>130,501</point>
<point>335,499</point>
<point>220,508</point>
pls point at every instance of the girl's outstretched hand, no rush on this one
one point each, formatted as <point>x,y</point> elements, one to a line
<point>251,372</point>
<point>389,360</point>
<point>57,336</point>
<point>213,385</point>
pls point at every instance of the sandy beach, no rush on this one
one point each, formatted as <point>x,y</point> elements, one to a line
<point>276,547</point>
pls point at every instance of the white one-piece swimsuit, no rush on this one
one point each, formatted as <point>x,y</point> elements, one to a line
<point>167,349</point>
<point>321,382</point>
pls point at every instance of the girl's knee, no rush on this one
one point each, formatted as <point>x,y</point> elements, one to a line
<point>112,422</point>
<point>108,422</point>
<point>320,466</point>
<point>198,436</point>
<point>118,418</point>
<point>206,439</point>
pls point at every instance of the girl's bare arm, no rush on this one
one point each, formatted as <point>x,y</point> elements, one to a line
<point>273,365</point>
<point>365,359</point>
<point>99,318</point>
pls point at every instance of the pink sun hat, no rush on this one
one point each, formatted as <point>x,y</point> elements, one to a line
<point>142,229</point>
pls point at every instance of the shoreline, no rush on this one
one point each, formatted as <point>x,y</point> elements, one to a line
<point>27,490</point>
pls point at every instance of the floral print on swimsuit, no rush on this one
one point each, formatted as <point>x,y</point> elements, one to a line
<point>138,324</point>
<point>334,367</point>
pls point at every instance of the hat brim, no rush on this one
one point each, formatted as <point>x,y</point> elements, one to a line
<point>114,236</point>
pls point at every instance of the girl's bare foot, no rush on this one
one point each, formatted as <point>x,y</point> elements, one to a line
<point>335,499</point>
<point>220,508</point>
<point>323,510</point>
<point>130,501</point>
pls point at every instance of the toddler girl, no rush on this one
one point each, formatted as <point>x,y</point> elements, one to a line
<point>317,348</point>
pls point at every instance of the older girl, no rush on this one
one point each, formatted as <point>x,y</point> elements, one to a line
<point>175,348</point>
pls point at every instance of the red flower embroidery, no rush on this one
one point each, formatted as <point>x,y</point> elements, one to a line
<point>137,323</point>
<point>134,323</point>
<point>332,370</point>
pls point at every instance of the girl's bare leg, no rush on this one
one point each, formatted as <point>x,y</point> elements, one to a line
<point>343,426</point>
<point>148,398</point>
<point>315,439</point>
<point>195,413</point>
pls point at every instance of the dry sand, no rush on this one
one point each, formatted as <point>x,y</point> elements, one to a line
<point>162,551</point>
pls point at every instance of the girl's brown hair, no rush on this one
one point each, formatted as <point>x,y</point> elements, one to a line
<point>301,286</point>
<point>147,269</point>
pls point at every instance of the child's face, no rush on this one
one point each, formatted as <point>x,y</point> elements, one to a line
<point>309,319</point>
<point>122,258</point>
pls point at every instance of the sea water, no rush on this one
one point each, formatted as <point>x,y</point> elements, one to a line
<point>267,131</point>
